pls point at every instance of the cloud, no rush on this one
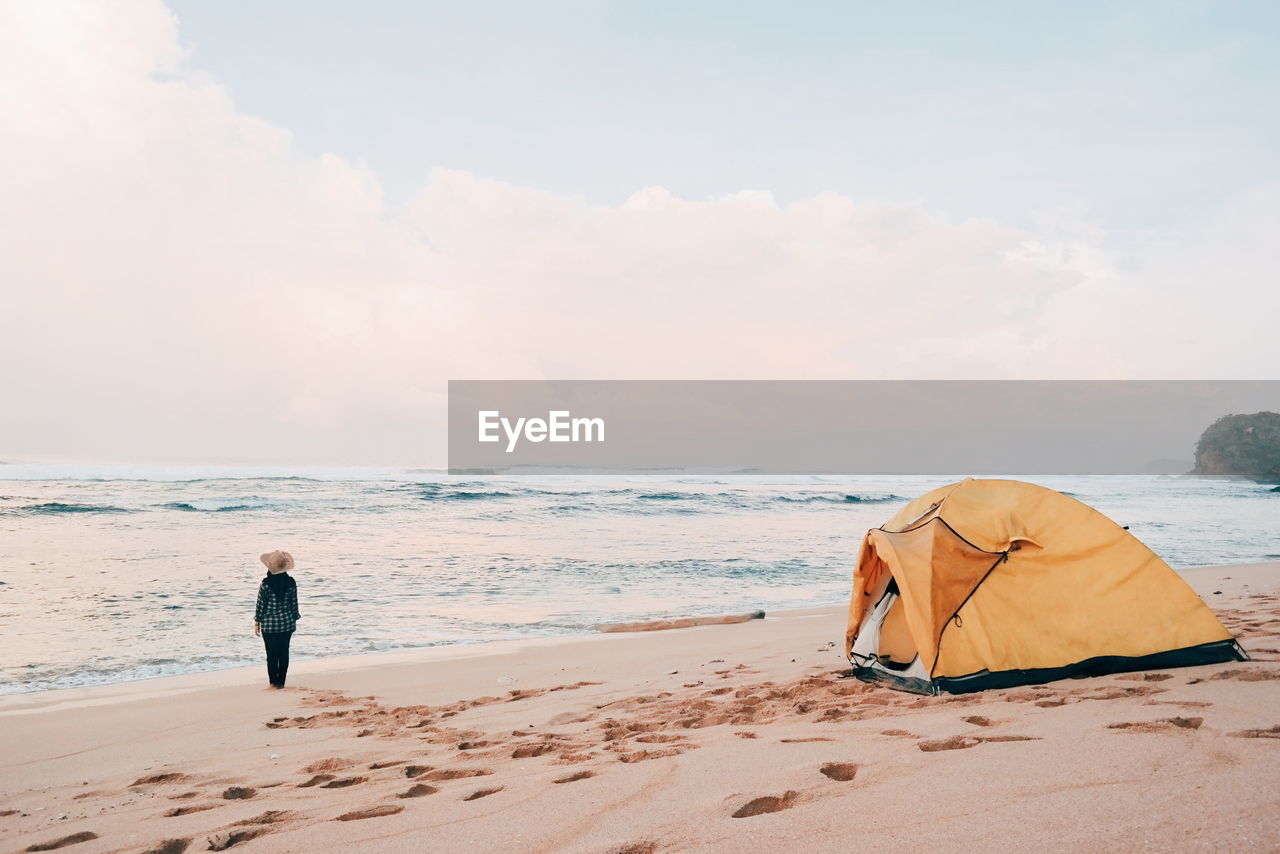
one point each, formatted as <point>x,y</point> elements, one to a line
<point>179,282</point>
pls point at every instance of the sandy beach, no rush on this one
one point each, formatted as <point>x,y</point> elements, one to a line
<point>741,737</point>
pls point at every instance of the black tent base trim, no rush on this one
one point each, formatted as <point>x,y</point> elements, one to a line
<point>892,680</point>
<point>1214,652</point>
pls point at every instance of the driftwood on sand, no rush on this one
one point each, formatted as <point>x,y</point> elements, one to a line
<point>678,623</point>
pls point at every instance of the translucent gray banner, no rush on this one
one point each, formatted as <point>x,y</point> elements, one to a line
<point>839,427</point>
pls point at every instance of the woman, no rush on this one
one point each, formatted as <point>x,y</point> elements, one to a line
<point>277,615</point>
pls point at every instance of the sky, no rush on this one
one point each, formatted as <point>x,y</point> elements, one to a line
<point>270,232</point>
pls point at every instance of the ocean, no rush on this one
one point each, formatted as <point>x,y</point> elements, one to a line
<point>110,574</point>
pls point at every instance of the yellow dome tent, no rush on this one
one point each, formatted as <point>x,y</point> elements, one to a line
<point>992,583</point>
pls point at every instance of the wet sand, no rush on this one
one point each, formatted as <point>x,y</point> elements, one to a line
<point>737,737</point>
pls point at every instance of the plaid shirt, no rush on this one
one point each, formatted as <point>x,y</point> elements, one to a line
<point>276,615</point>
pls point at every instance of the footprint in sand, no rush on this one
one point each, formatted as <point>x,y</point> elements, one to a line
<point>371,812</point>
<point>571,758</point>
<point>1240,676</point>
<point>955,742</point>
<point>1181,704</point>
<point>1162,725</point>
<point>334,763</point>
<point>645,755</point>
<point>268,817</point>
<point>320,779</point>
<point>418,790</point>
<point>316,780</point>
<point>388,764</point>
<point>531,750</point>
<point>239,793</point>
<point>169,846</point>
<point>573,778</point>
<point>160,779</point>
<point>457,773</point>
<point>1119,693</point>
<point>343,783</point>
<point>177,811</point>
<point>100,793</point>
<point>412,771</point>
<point>635,848</point>
<point>1271,732</point>
<point>977,720</point>
<point>227,838</point>
<point>961,742</point>
<point>841,772</point>
<point>82,836</point>
<point>767,804</point>
<point>483,793</point>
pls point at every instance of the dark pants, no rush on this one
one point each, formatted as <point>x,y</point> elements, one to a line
<point>277,644</point>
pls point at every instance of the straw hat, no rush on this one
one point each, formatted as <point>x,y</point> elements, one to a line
<point>277,561</point>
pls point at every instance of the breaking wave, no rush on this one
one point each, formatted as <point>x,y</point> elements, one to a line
<point>58,507</point>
